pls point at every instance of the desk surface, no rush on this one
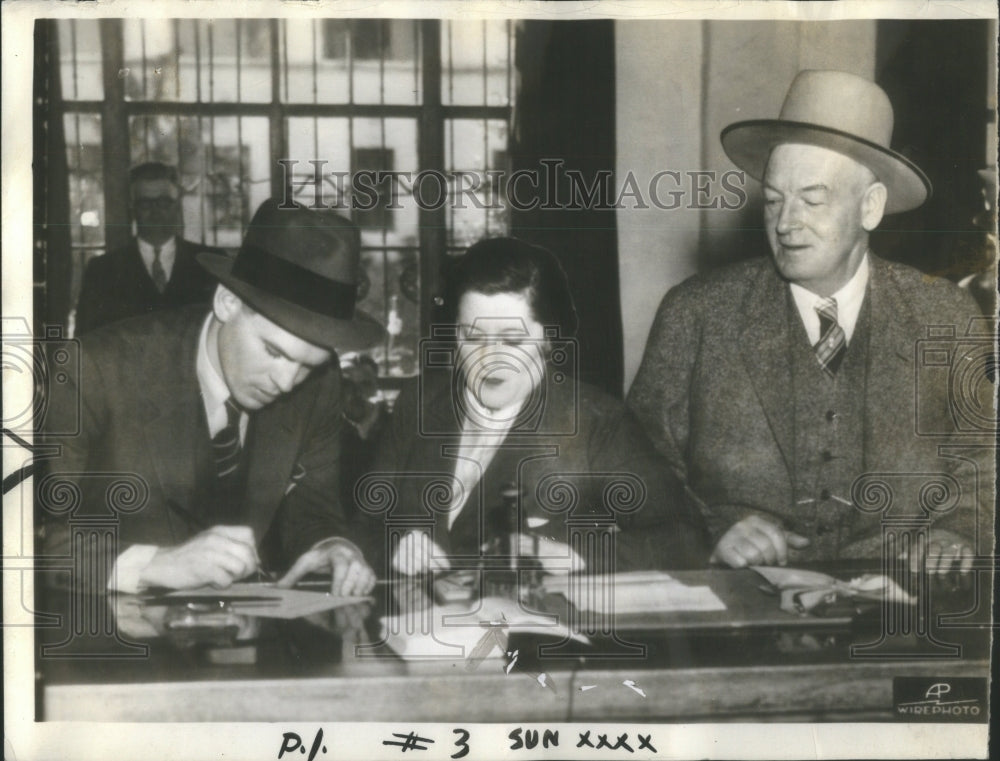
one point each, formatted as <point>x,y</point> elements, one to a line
<point>750,662</point>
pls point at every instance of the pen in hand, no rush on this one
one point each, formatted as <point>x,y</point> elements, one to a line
<point>198,522</point>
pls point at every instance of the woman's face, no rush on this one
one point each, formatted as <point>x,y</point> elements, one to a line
<point>500,348</point>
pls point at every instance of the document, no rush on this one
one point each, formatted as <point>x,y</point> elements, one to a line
<point>635,592</point>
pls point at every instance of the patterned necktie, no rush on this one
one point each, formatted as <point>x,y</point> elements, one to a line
<point>159,274</point>
<point>832,341</point>
<point>226,443</point>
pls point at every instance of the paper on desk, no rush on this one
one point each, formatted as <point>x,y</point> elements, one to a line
<point>288,603</point>
<point>456,630</point>
<point>633,592</point>
<point>803,590</point>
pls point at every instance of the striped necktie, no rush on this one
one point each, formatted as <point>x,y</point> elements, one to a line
<point>159,274</point>
<point>226,443</point>
<point>832,342</point>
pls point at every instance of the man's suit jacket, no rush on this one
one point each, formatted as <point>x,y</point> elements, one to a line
<point>141,417</point>
<point>714,392</point>
<point>603,444</point>
<point>117,286</point>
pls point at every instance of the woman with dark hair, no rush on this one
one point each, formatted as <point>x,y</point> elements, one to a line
<point>498,438</point>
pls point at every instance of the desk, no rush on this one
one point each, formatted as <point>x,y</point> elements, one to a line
<point>754,662</point>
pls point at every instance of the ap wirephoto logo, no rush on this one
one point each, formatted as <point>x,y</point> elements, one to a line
<point>922,698</point>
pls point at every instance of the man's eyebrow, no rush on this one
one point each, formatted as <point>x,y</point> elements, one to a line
<point>275,348</point>
<point>278,350</point>
<point>807,189</point>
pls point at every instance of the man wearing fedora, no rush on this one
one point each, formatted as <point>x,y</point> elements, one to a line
<point>772,385</point>
<point>229,415</point>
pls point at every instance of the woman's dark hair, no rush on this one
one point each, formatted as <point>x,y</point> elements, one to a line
<point>509,265</point>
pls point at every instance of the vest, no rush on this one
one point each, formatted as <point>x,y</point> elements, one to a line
<point>829,438</point>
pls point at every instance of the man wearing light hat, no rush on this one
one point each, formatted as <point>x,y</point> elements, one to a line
<point>774,384</point>
<point>231,416</point>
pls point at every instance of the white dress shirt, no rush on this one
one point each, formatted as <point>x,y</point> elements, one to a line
<point>482,434</point>
<point>849,300</point>
<point>168,255</point>
<point>214,391</point>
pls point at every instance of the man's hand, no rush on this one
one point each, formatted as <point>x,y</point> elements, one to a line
<point>946,551</point>
<point>349,573</point>
<point>555,557</point>
<point>218,556</point>
<point>756,541</point>
<point>418,554</point>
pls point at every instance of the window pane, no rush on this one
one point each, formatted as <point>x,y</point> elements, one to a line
<point>212,60</point>
<point>476,62</point>
<point>318,148</point>
<point>353,60</point>
<point>84,157</point>
<point>395,138</point>
<point>473,149</point>
<point>159,59</point>
<point>341,148</point>
<point>390,292</point>
<point>80,59</point>
<point>226,73</point>
<point>310,77</point>
<point>223,164</point>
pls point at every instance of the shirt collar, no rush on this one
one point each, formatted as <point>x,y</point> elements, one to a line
<point>849,299</point>
<point>214,391</point>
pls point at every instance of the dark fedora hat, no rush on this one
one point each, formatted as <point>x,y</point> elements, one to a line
<point>839,111</point>
<point>299,268</point>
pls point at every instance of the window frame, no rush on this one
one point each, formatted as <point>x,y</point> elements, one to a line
<point>430,116</point>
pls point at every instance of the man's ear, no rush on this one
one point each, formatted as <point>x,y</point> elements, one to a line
<point>873,206</point>
<point>226,304</point>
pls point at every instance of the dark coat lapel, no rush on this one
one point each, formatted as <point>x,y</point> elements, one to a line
<point>274,447</point>
<point>439,454</point>
<point>763,346</point>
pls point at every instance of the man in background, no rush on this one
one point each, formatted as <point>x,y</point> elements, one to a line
<point>157,269</point>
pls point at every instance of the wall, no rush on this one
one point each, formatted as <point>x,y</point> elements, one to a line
<point>678,85</point>
<point>659,112</point>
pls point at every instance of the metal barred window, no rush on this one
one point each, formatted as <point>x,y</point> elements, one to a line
<point>333,112</point>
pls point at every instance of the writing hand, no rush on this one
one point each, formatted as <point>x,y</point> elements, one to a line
<point>756,541</point>
<point>418,554</point>
<point>349,573</point>
<point>218,556</point>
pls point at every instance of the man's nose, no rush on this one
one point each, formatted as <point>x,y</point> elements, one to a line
<point>284,376</point>
<point>788,217</point>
